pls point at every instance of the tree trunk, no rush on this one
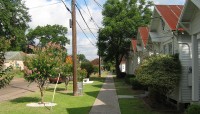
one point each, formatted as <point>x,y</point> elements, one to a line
<point>42,94</point>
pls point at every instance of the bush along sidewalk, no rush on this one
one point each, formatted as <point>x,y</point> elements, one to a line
<point>160,73</point>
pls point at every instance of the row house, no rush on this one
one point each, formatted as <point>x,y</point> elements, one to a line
<point>174,29</point>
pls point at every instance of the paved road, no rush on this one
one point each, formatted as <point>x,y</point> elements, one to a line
<point>106,101</point>
<point>17,88</point>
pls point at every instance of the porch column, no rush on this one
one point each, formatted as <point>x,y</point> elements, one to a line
<point>195,69</point>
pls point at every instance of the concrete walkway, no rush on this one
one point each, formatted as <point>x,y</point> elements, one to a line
<point>106,101</point>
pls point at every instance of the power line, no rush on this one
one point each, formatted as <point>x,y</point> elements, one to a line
<point>98,4</point>
<point>45,5</point>
<point>85,21</point>
<point>91,15</point>
<point>78,24</point>
<point>85,33</point>
<point>91,18</point>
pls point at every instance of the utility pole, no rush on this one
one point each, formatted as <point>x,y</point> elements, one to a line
<point>99,66</point>
<point>74,48</point>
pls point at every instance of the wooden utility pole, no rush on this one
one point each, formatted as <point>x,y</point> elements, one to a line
<point>99,66</point>
<point>74,48</point>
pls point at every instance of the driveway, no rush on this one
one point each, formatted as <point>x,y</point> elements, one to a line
<point>17,88</point>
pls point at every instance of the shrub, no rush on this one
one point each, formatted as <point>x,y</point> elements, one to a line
<point>96,69</point>
<point>193,109</point>
<point>127,78</point>
<point>81,74</point>
<point>160,72</point>
<point>88,67</point>
<point>136,84</point>
<point>122,75</point>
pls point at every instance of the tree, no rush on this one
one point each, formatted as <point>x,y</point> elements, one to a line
<point>121,18</point>
<point>5,77</point>
<point>88,67</point>
<point>82,58</point>
<point>48,33</point>
<point>48,62</point>
<point>13,22</point>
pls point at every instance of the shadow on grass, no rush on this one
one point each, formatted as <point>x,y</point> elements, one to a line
<point>78,110</point>
<point>100,79</point>
<point>93,93</point>
<point>57,89</point>
<point>98,86</point>
<point>25,99</point>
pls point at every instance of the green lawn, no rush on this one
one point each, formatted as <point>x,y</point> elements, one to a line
<point>17,73</point>
<point>66,102</point>
<point>132,105</point>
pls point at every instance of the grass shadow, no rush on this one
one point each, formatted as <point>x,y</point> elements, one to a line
<point>57,89</point>
<point>25,100</point>
<point>100,79</point>
<point>93,93</point>
<point>78,110</point>
<point>98,86</point>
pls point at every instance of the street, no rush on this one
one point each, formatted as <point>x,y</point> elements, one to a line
<point>17,88</point>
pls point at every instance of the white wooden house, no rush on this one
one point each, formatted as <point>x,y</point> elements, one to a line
<point>14,59</point>
<point>142,38</point>
<point>132,58</point>
<point>165,37</point>
<point>190,21</point>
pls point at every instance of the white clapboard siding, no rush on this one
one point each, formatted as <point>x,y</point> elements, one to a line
<point>185,58</point>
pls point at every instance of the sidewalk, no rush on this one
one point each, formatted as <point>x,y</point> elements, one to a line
<point>106,101</point>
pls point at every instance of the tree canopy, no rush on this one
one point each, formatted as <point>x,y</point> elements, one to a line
<point>47,62</point>
<point>48,33</point>
<point>121,19</point>
<point>13,22</point>
<point>5,77</point>
<point>82,58</point>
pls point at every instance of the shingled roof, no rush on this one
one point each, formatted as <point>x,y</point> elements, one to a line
<point>144,33</point>
<point>134,44</point>
<point>170,14</point>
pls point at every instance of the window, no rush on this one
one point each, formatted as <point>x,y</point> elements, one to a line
<point>170,48</point>
<point>165,49</point>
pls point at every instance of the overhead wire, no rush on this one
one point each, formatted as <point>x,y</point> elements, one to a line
<point>98,4</point>
<point>78,24</point>
<point>85,21</point>
<point>45,5</point>
<point>90,14</point>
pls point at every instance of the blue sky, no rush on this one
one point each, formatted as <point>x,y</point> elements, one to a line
<point>51,13</point>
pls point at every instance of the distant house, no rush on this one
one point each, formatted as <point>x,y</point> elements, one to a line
<point>122,65</point>
<point>132,58</point>
<point>14,59</point>
<point>190,21</point>
<point>95,62</point>
<point>142,38</point>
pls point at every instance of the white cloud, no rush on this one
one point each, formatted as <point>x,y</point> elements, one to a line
<point>51,12</point>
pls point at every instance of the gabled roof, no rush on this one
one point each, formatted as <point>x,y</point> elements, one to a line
<point>190,8</point>
<point>14,55</point>
<point>95,61</point>
<point>170,14</point>
<point>134,44</point>
<point>144,33</point>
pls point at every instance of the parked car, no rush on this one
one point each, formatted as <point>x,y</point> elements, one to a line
<point>54,80</point>
<point>61,79</point>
